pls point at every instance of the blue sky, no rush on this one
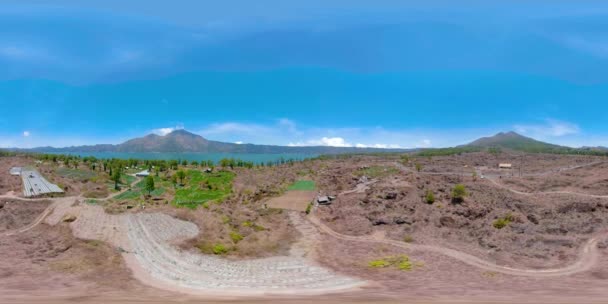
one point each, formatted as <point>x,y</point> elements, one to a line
<point>351,73</point>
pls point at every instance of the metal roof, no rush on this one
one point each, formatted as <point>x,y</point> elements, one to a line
<point>34,184</point>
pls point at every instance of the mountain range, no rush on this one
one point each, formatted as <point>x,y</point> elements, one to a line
<point>181,141</point>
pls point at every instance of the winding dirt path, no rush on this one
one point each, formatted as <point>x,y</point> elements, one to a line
<point>588,255</point>
<point>499,185</point>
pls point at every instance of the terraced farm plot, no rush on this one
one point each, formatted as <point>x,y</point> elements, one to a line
<point>125,181</point>
<point>138,191</point>
<point>75,174</point>
<point>201,187</point>
<point>303,185</point>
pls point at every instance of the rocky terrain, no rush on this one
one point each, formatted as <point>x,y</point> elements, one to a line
<point>506,238</point>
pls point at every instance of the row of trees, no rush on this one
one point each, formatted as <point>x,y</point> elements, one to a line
<point>161,165</point>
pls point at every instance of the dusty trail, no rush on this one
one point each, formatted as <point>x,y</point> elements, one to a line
<point>587,257</point>
<point>497,184</point>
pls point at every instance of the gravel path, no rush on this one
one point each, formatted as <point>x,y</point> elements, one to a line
<point>151,236</point>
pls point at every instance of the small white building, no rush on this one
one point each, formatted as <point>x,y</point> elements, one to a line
<point>505,166</point>
<point>15,171</point>
<point>143,173</point>
<point>323,200</point>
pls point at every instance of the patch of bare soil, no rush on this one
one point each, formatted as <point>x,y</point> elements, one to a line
<point>589,179</point>
<point>246,231</point>
<point>94,187</point>
<point>49,258</point>
<point>7,181</point>
<point>292,200</point>
<point>15,214</point>
<point>529,163</point>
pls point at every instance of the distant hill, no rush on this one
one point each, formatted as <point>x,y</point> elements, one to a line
<point>181,141</point>
<point>514,141</point>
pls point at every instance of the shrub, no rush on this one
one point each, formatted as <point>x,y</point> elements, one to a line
<point>430,197</point>
<point>503,221</point>
<point>381,263</point>
<point>219,249</point>
<point>236,237</point>
<point>308,208</point>
<point>458,193</point>
<point>405,265</point>
<point>401,262</point>
<point>418,167</point>
<point>408,239</point>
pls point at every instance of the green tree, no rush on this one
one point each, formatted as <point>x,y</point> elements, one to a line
<point>149,184</point>
<point>458,193</point>
<point>181,175</point>
<point>174,180</point>
<point>418,167</point>
<point>405,159</point>
<point>430,197</point>
<point>116,178</point>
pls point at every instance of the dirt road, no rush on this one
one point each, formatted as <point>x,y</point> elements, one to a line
<point>493,181</point>
<point>587,257</point>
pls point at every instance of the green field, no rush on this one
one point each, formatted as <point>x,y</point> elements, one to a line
<point>303,185</point>
<point>202,187</point>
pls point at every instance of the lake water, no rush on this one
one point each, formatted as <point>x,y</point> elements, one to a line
<point>216,157</point>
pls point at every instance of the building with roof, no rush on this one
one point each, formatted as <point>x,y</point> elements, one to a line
<point>143,173</point>
<point>505,166</point>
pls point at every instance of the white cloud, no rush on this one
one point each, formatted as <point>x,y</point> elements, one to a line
<point>238,142</point>
<point>332,142</point>
<point>425,143</point>
<point>26,133</point>
<point>165,131</point>
<point>231,128</point>
<point>287,132</point>
<point>289,125</point>
<point>551,128</point>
